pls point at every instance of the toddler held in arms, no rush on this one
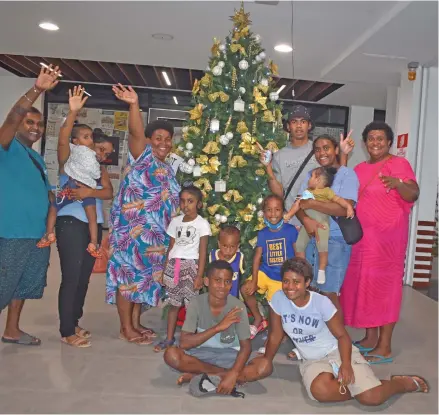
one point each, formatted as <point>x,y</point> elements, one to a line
<point>78,161</point>
<point>319,188</point>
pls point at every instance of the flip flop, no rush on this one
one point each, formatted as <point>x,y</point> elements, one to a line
<point>361,348</point>
<point>140,341</point>
<point>84,334</point>
<point>79,342</point>
<point>204,385</point>
<point>254,331</point>
<point>412,377</point>
<point>148,332</point>
<point>164,344</point>
<point>381,359</point>
<point>25,339</point>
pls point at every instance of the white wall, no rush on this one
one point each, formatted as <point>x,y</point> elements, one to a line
<point>391,105</point>
<point>359,117</point>
<point>12,87</point>
<point>428,169</point>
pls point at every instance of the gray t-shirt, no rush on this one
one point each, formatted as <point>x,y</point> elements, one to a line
<point>199,318</point>
<point>286,162</point>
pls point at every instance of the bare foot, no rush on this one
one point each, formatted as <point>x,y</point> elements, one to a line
<point>185,378</point>
<point>409,383</point>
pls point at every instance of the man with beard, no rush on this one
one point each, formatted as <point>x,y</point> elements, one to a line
<point>24,204</point>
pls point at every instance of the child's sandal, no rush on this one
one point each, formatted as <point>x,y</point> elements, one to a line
<point>47,240</point>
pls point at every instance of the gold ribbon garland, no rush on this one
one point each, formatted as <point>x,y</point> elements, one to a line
<point>196,87</point>
<point>235,47</point>
<point>206,80</point>
<point>241,33</point>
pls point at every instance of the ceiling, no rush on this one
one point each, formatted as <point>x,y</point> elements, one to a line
<point>330,38</point>
<point>146,76</point>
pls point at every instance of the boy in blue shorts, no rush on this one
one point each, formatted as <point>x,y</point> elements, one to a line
<point>274,246</point>
<point>228,243</point>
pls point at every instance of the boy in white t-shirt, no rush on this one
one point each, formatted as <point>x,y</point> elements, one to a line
<point>186,259</point>
<point>332,370</point>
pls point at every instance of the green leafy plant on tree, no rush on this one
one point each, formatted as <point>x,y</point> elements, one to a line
<point>235,116</point>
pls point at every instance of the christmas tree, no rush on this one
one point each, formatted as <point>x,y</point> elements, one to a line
<point>234,117</point>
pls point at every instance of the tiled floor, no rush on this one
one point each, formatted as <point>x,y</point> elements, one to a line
<point>117,377</point>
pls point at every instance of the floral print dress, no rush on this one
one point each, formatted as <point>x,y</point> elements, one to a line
<point>139,217</point>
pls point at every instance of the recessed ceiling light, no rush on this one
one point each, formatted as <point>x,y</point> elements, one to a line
<point>166,78</point>
<point>49,26</point>
<point>175,100</point>
<point>283,48</point>
<point>162,36</point>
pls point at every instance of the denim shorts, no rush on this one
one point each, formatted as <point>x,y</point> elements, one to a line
<point>339,253</point>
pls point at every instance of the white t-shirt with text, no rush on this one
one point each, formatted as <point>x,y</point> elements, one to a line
<point>187,236</point>
<point>306,326</point>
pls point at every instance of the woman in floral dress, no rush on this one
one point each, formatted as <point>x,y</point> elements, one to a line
<point>142,210</point>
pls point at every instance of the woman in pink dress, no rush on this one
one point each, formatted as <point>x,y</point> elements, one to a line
<point>372,291</point>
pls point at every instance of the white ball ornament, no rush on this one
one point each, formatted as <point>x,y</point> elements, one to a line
<point>218,217</point>
<point>191,162</point>
<point>260,200</point>
<point>180,148</point>
<point>183,166</point>
<point>241,90</point>
<point>258,58</point>
<point>223,140</point>
<point>223,219</point>
<point>264,82</point>
<point>189,146</point>
<point>243,65</point>
<point>222,47</point>
<point>221,64</point>
<point>185,129</point>
<point>254,208</point>
<point>217,71</point>
<point>229,135</point>
<point>260,214</point>
<point>257,38</point>
<point>262,55</point>
<point>187,153</point>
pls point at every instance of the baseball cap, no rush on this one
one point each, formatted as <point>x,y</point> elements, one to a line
<point>299,111</point>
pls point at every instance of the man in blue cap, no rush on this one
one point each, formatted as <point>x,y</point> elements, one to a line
<point>287,162</point>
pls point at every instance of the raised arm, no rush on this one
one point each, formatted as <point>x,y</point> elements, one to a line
<point>47,79</point>
<point>346,146</point>
<point>136,140</point>
<point>76,102</point>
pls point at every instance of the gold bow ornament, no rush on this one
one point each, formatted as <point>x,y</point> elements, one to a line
<point>233,194</point>
<point>212,166</point>
<point>211,147</point>
<point>221,95</point>
<point>203,184</point>
<point>196,113</point>
<point>238,162</point>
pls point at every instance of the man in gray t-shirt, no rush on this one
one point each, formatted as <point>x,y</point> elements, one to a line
<point>288,160</point>
<point>215,338</point>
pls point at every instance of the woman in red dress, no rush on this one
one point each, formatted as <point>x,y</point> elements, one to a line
<point>372,291</point>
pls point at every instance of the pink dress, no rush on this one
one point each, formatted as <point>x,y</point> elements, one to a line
<point>372,290</point>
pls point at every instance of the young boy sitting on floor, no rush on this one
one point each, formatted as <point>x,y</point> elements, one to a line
<point>215,340</point>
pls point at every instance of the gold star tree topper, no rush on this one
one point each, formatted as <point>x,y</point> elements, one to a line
<point>241,18</point>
